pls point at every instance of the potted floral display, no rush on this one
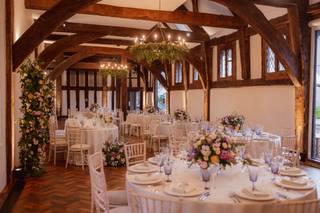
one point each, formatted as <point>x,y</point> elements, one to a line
<point>212,149</point>
<point>94,107</point>
<point>114,154</point>
<point>150,109</point>
<point>181,115</point>
<point>233,121</point>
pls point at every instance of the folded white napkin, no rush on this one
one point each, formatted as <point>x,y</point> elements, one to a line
<point>290,170</point>
<point>182,188</point>
<point>146,177</point>
<point>294,182</point>
<point>256,193</point>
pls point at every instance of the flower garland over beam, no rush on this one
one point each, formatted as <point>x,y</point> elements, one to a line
<point>37,101</point>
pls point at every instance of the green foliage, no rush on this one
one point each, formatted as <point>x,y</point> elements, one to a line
<point>164,51</point>
<point>37,101</point>
<point>120,73</point>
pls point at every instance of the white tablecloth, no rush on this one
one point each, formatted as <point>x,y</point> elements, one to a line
<point>230,180</point>
<point>98,136</point>
<point>259,144</point>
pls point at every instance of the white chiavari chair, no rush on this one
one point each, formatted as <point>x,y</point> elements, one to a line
<point>290,151</point>
<point>101,199</point>
<point>76,145</point>
<point>141,203</point>
<point>58,142</point>
<point>136,127</point>
<point>125,126</point>
<point>307,206</point>
<point>135,153</point>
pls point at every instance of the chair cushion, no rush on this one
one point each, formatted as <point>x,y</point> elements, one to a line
<point>135,125</point>
<point>118,197</point>
<point>122,209</point>
<point>60,133</point>
<point>61,142</point>
<point>160,136</point>
<point>77,147</point>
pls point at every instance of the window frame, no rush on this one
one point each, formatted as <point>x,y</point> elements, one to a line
<point>277,74</point>
<point>226,47</point>
<point>193,74</point>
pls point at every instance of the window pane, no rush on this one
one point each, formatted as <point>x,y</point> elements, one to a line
<point>223,64</point>
<point>178,72</point>
<point>270,61</point>
<point>229,54</point>
<point>281,67</point>
<point>229,68</point>
<point>195,75</point>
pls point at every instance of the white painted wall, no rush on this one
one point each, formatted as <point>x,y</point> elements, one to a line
<point>269,106</point>
<point>195,103</point>
<point>3,173</point>
<point>177,100</point>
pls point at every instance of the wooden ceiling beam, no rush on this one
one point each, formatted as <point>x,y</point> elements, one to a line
<point>98,50</point>
<point>55,15</point>
<point>126,31</point>
<point>84,52</point>
<point>276,3</point>
<point>253,16</point>
<point>118,42</point>
<point>181,17</point>
<point>59,46</point>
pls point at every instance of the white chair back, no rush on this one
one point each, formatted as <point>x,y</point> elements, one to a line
<point>98,183</point>
<point>141,203</point>
<point>135,153</point>
<point>52,130</point>
<point>289,142</point>
<point>73,136</point>
<point>131,118</point>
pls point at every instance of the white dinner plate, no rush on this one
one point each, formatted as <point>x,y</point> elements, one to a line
<point>290,174</point>
<point>254,198</point>
<point>135,168</point>
<point>197,191</point>
<point>309,185</point>
<point>158,179</point>
<point>152,160</point>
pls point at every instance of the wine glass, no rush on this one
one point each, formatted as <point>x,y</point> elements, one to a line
<point>168,170</point>
<point>267,158</point>
<point>160,162</point>
<point>274,169</point>
<point>253,176</point>
<point>206,175</point>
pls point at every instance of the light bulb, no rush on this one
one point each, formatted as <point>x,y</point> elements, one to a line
<point>188,34</point>
<point>169,37</point>
<point>179,38</point>
<point>155,36</point>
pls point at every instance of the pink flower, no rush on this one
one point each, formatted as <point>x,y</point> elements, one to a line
<point>37,113</point>
<point>203,164</point>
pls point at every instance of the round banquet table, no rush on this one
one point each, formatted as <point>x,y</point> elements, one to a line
<point>96,137</point>
<point>259,144</point>
<point>230,180</point>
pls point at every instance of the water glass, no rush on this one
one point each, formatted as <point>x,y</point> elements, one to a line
<point>161,160</point>
<point>274,169</point>
<point>253,176</point>
<point>206,175</point>
<point>168,170</point>
<point>267,158</point>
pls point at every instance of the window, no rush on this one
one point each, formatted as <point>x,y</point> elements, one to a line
<point>226,63</point>
<point>271,65</point>
<point>195,74</point>
<point>178,73</point>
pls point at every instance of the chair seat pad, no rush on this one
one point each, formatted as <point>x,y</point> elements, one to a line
<point>122,209</point>
<point>118,197</point>
<point>135,125</point>
<point>77,147</point>
<point>60,133</point>
<point>61,142</point>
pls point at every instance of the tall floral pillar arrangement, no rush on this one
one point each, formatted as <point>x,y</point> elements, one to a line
<point>37,104</point>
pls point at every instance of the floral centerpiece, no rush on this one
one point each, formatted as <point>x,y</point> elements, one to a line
<point>181,115</point>
<point>212,149</point>
<point>150,109</point>
<point>107,119</point>
<point>37,104</point>
<point>234,121</point>
<point>114,154</point>
<point>94,107</point>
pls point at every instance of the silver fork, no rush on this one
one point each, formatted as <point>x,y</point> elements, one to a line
<point>234,197</point>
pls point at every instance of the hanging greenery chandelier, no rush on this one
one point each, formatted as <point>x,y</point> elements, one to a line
<point>163,49</point>
<point>114,70</point>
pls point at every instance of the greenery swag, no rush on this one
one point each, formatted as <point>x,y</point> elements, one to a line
<point>163,51</point>
<point>37,101</point>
